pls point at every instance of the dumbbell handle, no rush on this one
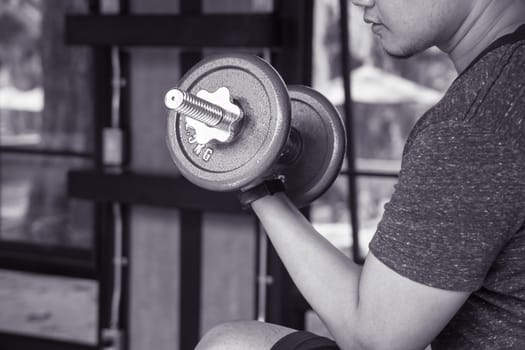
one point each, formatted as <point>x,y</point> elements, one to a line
<point>215,116</point>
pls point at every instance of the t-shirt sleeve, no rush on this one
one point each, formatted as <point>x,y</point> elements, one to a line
<point>457,203</point>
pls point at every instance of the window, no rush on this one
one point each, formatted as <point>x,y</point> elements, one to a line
<point>45,130</point>
<point>388,97</point>
<point>45,124</point>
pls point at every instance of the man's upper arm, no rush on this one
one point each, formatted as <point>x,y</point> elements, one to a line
<point>395,312</point>
<point>456,204</point>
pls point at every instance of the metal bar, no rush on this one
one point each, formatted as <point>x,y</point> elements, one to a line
<point>350,153</point>
<point>94,6</point>
<point>58,260</point>
<point>125,301</point>
<point>125,108</point>
<point>102,213</point>
<point>124,6</point>
<point>44,152</point>
<point>50,265</point>
<point>102,101</point>
<point>278,304</point>
<point>10,341</point>
<point>190,255</point>
<point>294,58</point>
<point>239,30</point>
<point>285,304</point>
<point>105,272</point>
<point>261,271</point>
<point>359,173</point>
<point>125,125</point>
<point>190,278</point>
<point>39,249</point>
<point>160,191</point>
<point>192,10</point>
<point>263,279</point>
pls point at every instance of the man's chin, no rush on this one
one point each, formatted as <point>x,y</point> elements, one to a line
<point>402,52</point>
<point>398,55</point>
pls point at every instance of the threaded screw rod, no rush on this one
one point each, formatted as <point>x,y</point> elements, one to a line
<point>197,108</point>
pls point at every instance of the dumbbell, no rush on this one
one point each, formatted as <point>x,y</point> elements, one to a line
<point>234,122</point>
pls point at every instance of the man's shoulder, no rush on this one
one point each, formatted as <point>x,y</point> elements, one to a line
<point>490,96</point>
<point>497,88</point>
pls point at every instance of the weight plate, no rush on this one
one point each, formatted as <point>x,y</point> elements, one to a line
<point>323,146</point>
<point>262,95</point>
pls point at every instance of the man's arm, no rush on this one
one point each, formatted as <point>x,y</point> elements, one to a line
<point>364,308</point>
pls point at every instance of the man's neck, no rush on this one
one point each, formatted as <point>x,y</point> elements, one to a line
<point>488,21</point>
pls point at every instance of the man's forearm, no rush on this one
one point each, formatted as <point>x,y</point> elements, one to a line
<point>325,276</point>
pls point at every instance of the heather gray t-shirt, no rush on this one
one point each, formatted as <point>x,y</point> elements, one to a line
<point>456,219</point>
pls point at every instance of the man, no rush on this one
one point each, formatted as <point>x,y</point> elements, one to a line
<point>447,263</point>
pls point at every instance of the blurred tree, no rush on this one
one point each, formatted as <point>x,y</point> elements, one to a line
<point>20,23</point>
<point>66,118</point>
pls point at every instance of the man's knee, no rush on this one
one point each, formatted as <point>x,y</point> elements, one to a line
<point>242,335</point>
<point>218,337</point>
